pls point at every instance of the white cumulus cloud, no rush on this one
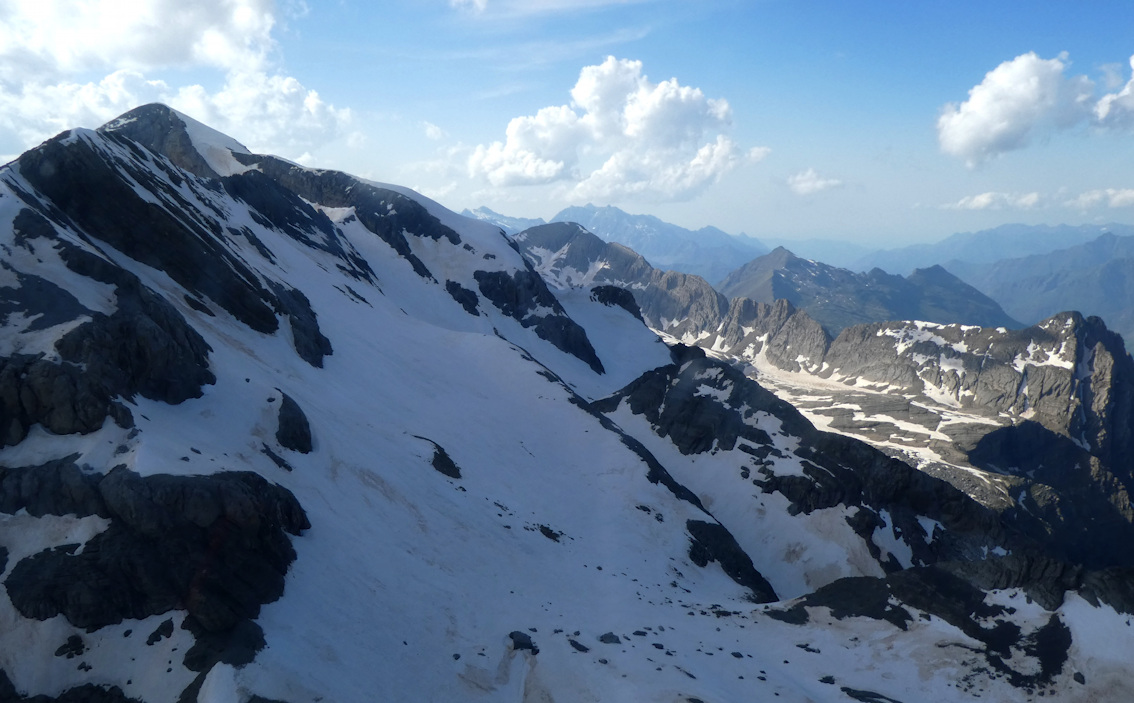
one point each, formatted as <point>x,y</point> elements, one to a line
<point>622,134</point>
<point>1029,97</point>
<point>1015,101</point>
<point>42,39</point>
<point>49,50</point>
<point>1117,109</point>
<point>809,182</point>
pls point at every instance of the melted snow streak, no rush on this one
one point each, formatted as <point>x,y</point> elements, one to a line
<point>270,433</point>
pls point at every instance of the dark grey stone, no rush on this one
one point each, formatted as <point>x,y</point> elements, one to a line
<point>839,298</point>
<point>293,431</point>
<point>712,542</point>
<point>216,546</point>
<point>144,347</point>
<point>386,213</point>
<point>520,294</point>
<point>616,296</point>
<point>466,298</point>
<point>87,693</point>
<point>58,396</point>
<point>522,641</point>
<point>89,188</point>
<point>307,338</point>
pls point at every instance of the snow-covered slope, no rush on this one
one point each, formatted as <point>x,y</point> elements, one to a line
<point>277,434</point>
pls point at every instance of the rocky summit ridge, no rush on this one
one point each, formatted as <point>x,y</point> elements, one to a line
<point>272,433</point>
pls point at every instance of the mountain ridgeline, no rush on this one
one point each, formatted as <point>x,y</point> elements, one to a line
<point>968,397</point>
<point>270,433</point>
<point>707,252</point>
<point>839,298</point>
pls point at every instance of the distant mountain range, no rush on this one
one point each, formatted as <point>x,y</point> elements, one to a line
<point>838,298</point>
<point>987,246</point>
<point>510,225</point>
<point>707,252</point>
<point>1007,276</point>
<point>1095,278</point>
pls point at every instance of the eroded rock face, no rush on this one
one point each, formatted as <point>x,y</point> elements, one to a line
<point>216,546</point>
<point>567,255</point>
<point>388,214</point>
<point>145,347</point>
<point>523,296</point>
<point>162,131</point>
<point>88,184</point>
<point>87,693</point>
<point>36,298</point>
<point>85,182</point>
<point>706,406</point>
<point>710,541</point>
<point>307,338</point>
<point>788,338</point>
<point>58,396</point>
<point>617,296</point>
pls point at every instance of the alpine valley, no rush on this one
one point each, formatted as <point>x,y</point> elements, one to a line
<point>277,434</point>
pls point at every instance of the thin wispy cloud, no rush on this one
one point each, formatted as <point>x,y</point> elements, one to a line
<point>810,182</point>
<point>1107,197</point>
<point>1099,198</point>
<point>517,8</point>
<point>993,200</point>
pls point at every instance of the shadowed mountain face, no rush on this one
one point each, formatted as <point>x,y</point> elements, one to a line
<point>838,298</point>
<point>270,433</point>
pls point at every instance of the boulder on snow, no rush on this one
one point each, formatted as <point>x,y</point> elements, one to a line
<point>293,431</point>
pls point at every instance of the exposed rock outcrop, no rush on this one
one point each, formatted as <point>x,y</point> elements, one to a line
<point>216,546</point>
<point>84,179</point>
<point>710,541</point>
<point>58,396</point>
<point>293,430</point>
<point>523,296</point>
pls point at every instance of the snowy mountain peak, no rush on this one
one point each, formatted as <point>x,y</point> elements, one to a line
<point>189,144</point>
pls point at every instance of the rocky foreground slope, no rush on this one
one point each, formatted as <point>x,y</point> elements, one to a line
<point>280,434</point>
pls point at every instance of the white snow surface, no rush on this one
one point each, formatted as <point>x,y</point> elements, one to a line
<point>408,583</point>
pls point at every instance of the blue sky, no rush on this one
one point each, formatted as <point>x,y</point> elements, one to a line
<point>880,122</point>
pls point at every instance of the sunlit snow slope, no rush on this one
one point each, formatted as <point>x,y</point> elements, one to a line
<point>277,434</point>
